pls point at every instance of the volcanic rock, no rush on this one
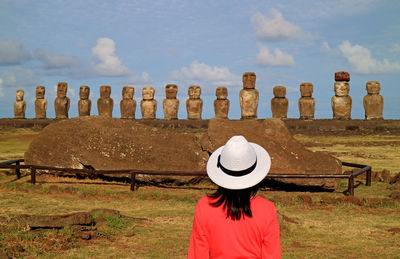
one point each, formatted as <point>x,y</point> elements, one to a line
<point>115,144</point>
<point>288,156</point>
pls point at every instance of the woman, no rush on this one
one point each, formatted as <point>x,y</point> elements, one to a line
<point>233,222</point>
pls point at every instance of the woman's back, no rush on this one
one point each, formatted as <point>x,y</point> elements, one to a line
<point>219,236</point>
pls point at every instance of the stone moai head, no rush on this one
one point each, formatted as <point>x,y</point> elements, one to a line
<point>128,92</point>
<point>306,89</point>
<point>105,91</point>
<point>20,95</point>
<point>148,93</point>
<point>373,87</point>
<point>342,88</point>
<point>249,80</point>
<point>194,92</point>
<point>62,88</point>
<point>171,90</point>
<point>342,76</point>
<point>221,93</point>
<point>84,92</point>
<point>279,91</point>
<point>40,91</point>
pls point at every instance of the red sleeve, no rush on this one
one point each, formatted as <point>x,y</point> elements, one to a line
<point>271,246</point>
<point>198,247</point>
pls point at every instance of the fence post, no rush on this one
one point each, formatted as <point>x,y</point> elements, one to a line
<point>133,177</point>
<point>17,170</point>
<point>33,175</point>
<point>368,177</point>
<point>351,185</point>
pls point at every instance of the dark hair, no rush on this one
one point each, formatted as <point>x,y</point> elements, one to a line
<point>235,202</point>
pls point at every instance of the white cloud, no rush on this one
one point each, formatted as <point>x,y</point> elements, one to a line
<point>274,27</point>
<point>395,48</point>
<point>12,52</point>
<point>20,77</point>
<point>360,58</point>
<point>1,87</point>
<point>141,79</point>
<point>51,60</point>
<point>105,62</point>
<point>202,73</point>
<point>325,46</point>
<point>278,58</point>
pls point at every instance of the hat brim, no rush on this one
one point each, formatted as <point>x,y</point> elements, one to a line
<point>224,180</point>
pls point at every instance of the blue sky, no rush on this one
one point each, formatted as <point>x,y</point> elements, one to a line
<point>206,43</point>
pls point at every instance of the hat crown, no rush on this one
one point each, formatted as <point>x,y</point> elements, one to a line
<point>238,154</point>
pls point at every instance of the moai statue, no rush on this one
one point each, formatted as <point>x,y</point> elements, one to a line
<point>148,105</point>
<point>84,104</point>
<point>19,105</point>
<point>373,101</point>
<point>248,96</point>
<point>221,104</point>
<point>306,102</point>
<point>341,102</point>
<point>105,104</point>
<point>61,103</point>
<point>194,105</point>
<point>279,104</point>
<point>127,104</point>
<point>171,104</point>
<point>40,103</point>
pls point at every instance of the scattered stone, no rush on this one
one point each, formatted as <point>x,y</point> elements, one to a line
<point>386,177</point>
<point>53,189</point>
<point>56,221</point>
<point>395,179</point>
<point>296,244</point>
<point>394,231</point>
<point>350,200</point>
<point>328,200</point>
<point>395,195</point>
<point>130,234</point>
<point>306,199</point>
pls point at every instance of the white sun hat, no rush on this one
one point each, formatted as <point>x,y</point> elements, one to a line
<point>239,164</point>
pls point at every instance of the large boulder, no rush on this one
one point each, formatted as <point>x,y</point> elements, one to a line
<point>115,144</point>
<point>288,156</point>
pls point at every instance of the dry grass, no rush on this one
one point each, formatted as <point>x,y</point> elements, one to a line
<point>337,230</point>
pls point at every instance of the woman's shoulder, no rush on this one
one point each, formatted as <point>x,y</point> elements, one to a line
<point>259,201</point>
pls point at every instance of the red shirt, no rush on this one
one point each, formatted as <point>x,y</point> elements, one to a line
<point>216,236</point>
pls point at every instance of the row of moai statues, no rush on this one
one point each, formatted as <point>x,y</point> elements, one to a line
<point>248,97</point>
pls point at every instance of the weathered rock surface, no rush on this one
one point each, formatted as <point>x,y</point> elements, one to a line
<point>288,156</point>
<point>112,143</point>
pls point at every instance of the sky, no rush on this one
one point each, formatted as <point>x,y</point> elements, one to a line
<point>208,43</point>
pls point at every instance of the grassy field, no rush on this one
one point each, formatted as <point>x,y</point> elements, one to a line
<point>314,229</point>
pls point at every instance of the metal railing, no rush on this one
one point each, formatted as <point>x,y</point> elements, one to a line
<point>17,165</point>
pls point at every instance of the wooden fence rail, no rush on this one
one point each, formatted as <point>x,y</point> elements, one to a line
<point>17,165</point>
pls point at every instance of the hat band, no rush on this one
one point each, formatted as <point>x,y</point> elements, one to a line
<point>236,173</point>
